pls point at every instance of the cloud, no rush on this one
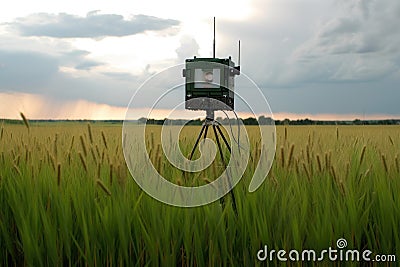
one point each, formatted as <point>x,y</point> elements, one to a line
<point>321,56</point>
<point>39,73</point>
<point>119,75</point>
<point>290,43</point>
<point>76,59</point>
<point>359,44</point>
<point>309,57</point>
<point>188,48</point>
<point>24,69</point>
<point>94,25</point>
<point>56,68</point>
<point>86,65</point>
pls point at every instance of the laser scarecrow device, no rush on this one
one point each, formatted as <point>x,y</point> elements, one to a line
<point>210,86</point>
<point>210,78</point>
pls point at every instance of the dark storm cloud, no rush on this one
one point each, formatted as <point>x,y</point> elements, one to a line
<point>92,26</point>
<point>339,56</point>
<point>357,98</point>
<point>356,45</point>
<point>295,42</point>
<point>24,70</point>
<point>39,73</point>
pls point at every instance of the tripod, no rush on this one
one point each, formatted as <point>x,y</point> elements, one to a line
<point>209,121</point>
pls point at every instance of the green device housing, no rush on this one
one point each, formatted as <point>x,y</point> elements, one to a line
<point>207,79</point>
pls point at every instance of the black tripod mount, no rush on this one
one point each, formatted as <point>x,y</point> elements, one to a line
<point>210,121</point>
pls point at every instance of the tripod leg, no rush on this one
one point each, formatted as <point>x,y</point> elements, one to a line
<point>223,138</point>
<point>205,133</point>
<point>198,139</point>
<point>227,172</point>
<point>219,145</point>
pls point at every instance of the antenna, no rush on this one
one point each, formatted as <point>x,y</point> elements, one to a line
<point>239,54</point>
<point>214,41</point>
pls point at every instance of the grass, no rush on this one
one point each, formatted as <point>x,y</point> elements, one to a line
<point>67,198</point>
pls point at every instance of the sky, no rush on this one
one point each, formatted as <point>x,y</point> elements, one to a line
<point>333,59</point>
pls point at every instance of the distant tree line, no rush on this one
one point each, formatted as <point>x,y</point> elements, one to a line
<point>337,122</point>
<point>262,120</point>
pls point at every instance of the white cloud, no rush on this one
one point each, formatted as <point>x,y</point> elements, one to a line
<point>188,48</point>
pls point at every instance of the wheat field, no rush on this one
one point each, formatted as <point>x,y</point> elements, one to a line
<point>67,198</point>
